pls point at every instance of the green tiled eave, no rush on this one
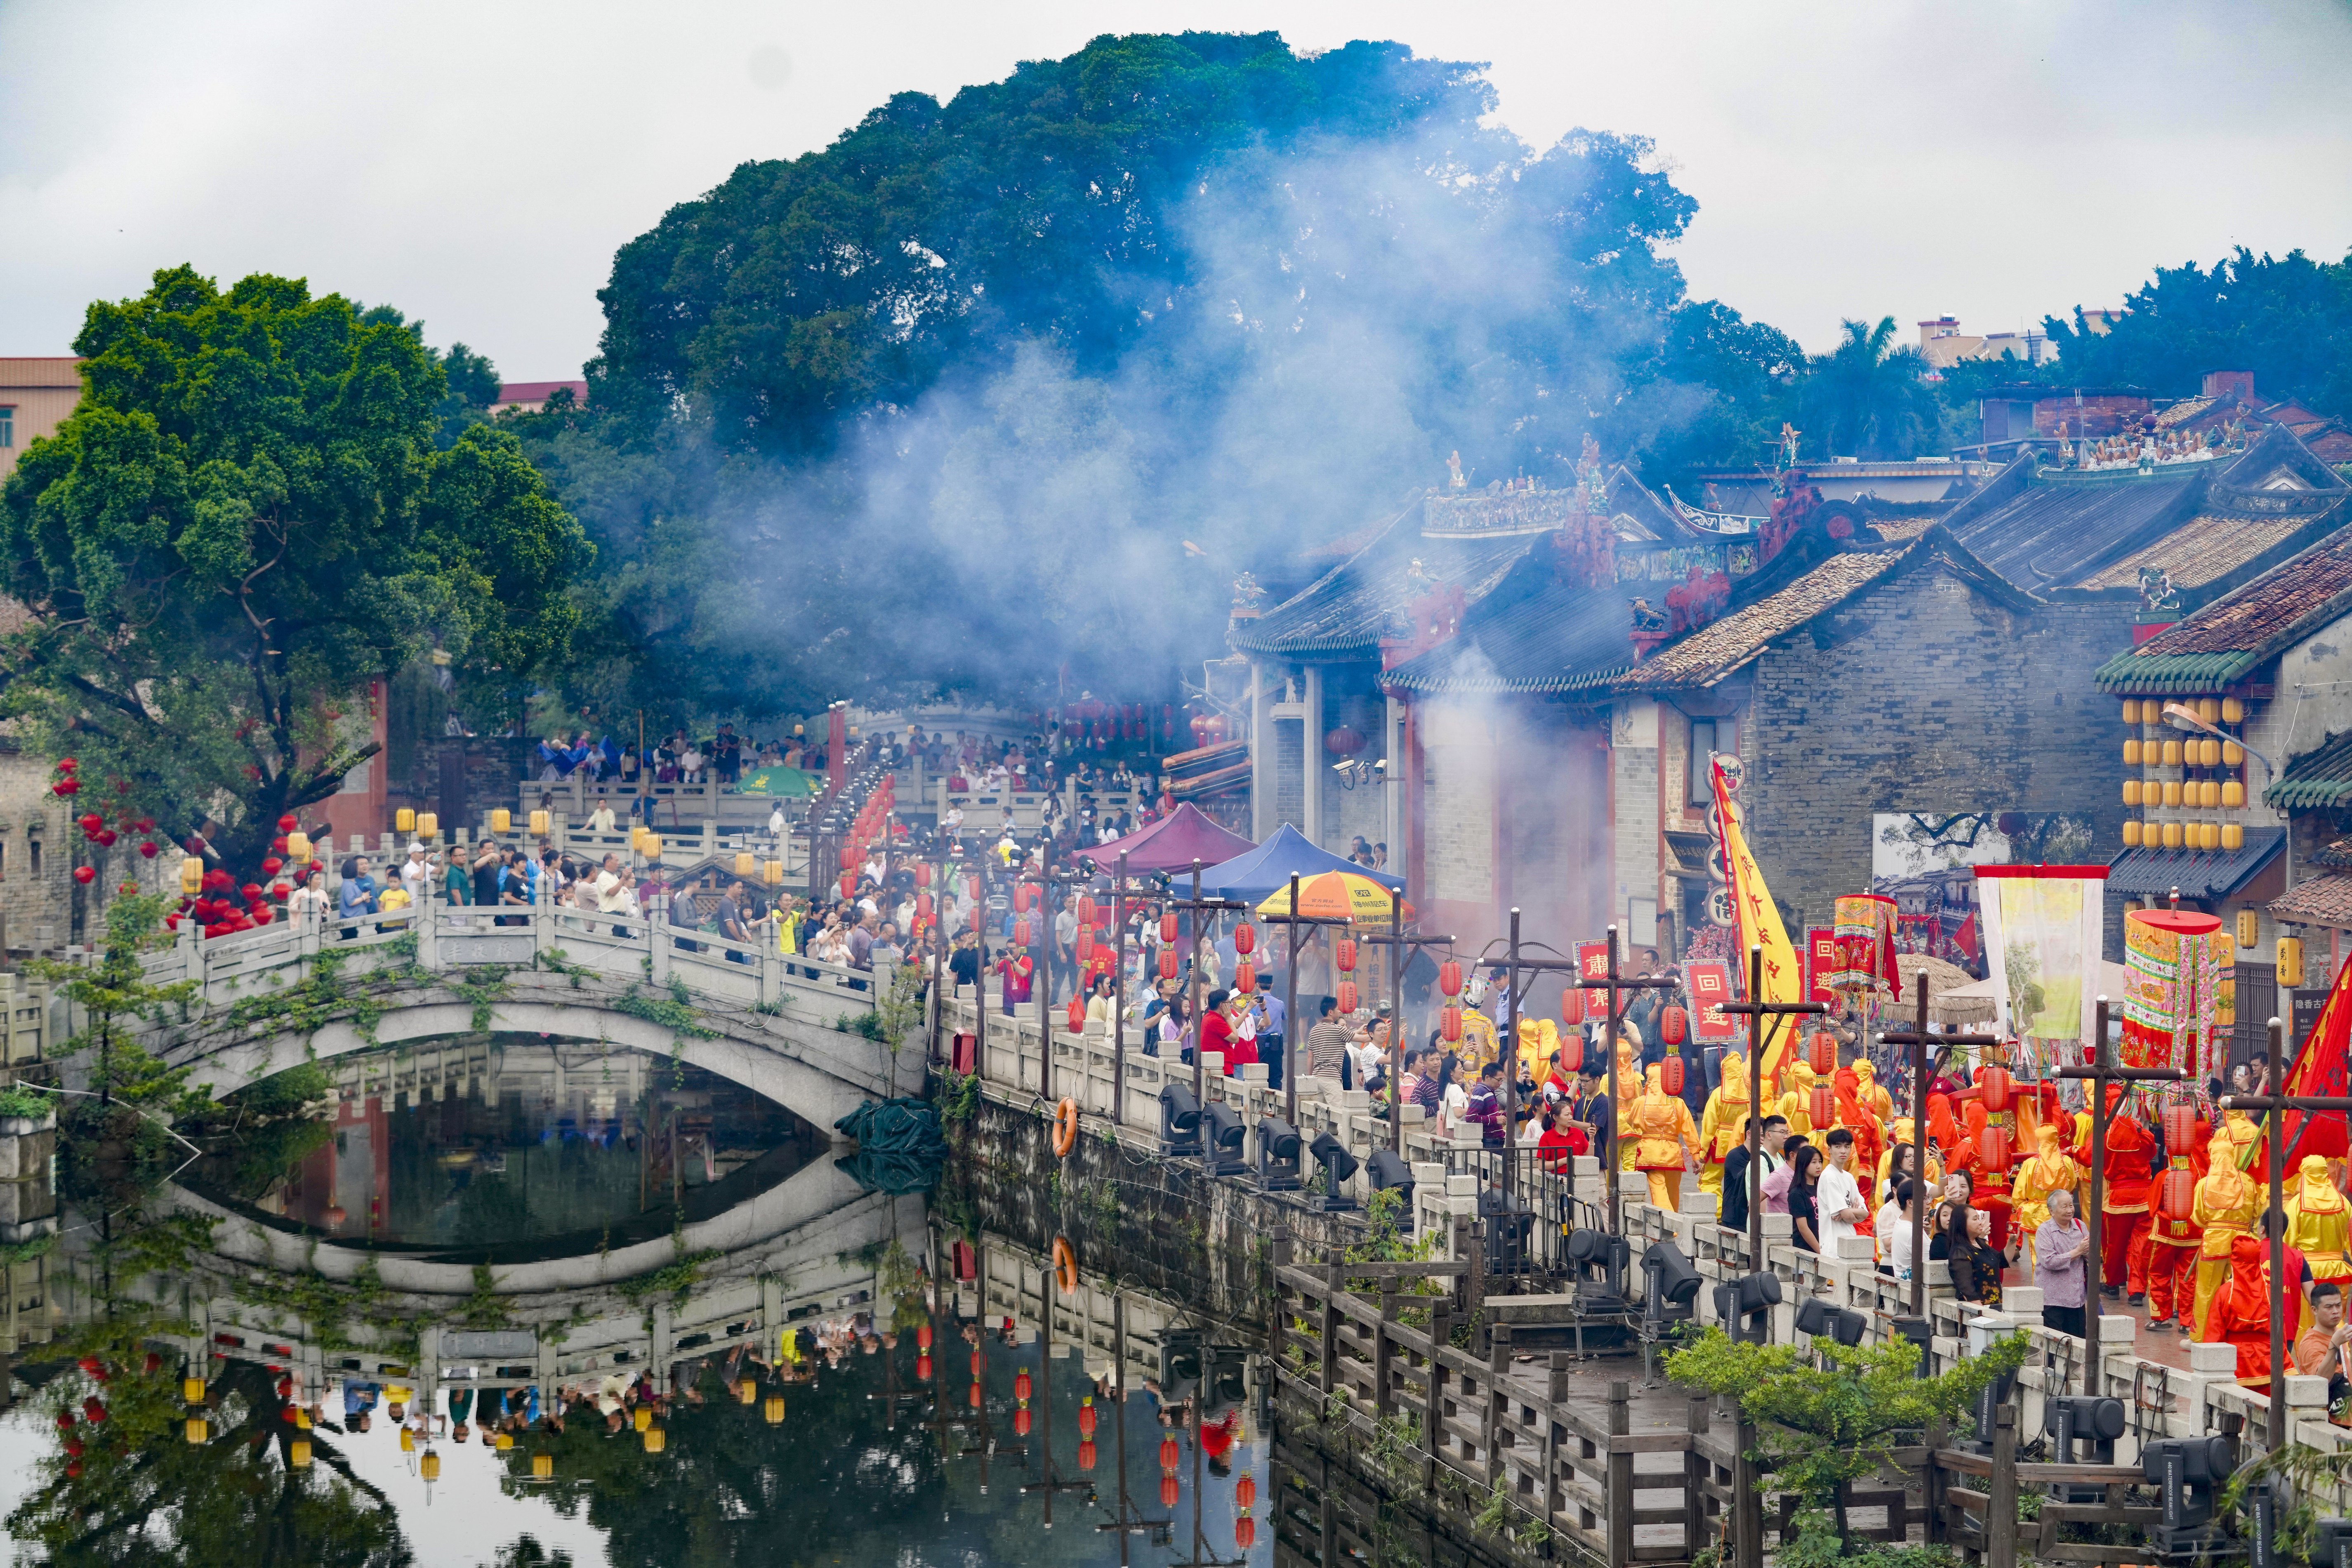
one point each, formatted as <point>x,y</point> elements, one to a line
<point>2127,674</point>
<point>2292,793</point>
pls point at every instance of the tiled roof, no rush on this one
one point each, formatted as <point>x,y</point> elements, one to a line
<point>2062,525</point>
<point>2322,900</point>
<point>1706,655</point>
<point>2202,874</point>
<point>2320,777</point>
<point>1350,609</point>
<point>1556,637</point>
<point>2184,410</point>
<point>2208,547</point>
<point>2228,639</point>
<point>537,391</point>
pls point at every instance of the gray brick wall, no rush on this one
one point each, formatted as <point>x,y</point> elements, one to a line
<point>1923,695</point>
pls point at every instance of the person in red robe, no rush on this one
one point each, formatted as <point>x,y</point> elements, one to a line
<point>2241,1314</point>
<point>2124,1219</point>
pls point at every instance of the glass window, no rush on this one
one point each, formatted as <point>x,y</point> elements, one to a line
<point>7,426</point>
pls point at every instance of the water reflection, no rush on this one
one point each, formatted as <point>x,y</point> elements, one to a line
<point>511,1151</point>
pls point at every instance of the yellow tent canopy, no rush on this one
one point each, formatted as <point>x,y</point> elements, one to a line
<point>1335,895</point>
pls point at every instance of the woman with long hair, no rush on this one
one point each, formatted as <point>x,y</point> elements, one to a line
<point>1804,1213</point>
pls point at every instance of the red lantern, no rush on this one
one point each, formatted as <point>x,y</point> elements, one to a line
<point>1821,1106</point>
<point>1670,1076</point>
<point>1674,1026</point>
<point>1823,1052</point>
<point>1245,977</point>
<point>923,1368</point>
<point>1344,955</point>
<point>1244,1491</point>
<point>2176,1194</point>
<point>975,1395</point>
<point>1571,1006</point>
<point>271,866</point>
<point>1023,893</point>
<point>1078,1014</point>
<point>92,1410</point>
<point>1993,1146</point>
<point>1449,978</point>
<point>1995,1084</point>
<point>2179,1130</point>
<point>848,882</point>
<point>1449,1023</point>
<point>1347,996</point>
<point>923,1336</point>
<point>1087,1418</point>
<point>103,838</point>
<point>1571,1053</point>
<point>972,887</point>
<point>1168,963</point>
<point>1085,943</point>
<point>1167,928</point>
<point>1168,1482</point>
<point>1021,931</point>
<point>287,824</point>
<point>1167,1455</point>
<point>1244,1532</point>
<point>1086,1453</point>
<point>922,876</point>
<point>1086,910</point>
<point>148,849</point>
<point>977,1363</point>
<point>923,905</point>
<point>1021,1386</point>
<point>1245,938</point>
<point>84,874</point>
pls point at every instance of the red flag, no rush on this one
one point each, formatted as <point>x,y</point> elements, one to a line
<point>2320,1071</point>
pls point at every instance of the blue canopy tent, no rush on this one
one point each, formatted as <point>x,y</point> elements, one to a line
<point>1255,876</point>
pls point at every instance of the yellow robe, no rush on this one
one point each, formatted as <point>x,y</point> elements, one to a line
<point>2227,1202</point>
<point>1661,1134</point>
<point>1875,1101</point>
<point>1538,1038</point>
<point>1797,1103</point>
<point>1629,1091</point>
<point>1478,1044</point>
<point>2234,1140</point>
<point>1723,1125</point>
<point>2319,1222</point>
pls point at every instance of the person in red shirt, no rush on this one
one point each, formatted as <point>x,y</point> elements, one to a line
<point>1561,1139</point>
<point>1217,1032</point>
<point>2124,1219</point>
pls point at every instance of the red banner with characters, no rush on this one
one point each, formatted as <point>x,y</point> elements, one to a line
<point>1711,988</point>
<point>1821,958</point>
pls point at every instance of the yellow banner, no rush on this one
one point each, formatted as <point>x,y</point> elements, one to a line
<point>1759,922</point>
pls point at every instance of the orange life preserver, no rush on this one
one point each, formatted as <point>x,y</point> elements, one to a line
<point>1065,1262</point>
<point>1066,1128</point>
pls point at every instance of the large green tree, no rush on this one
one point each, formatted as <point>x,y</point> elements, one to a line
<point>943,403</point>
<point>246,520</point>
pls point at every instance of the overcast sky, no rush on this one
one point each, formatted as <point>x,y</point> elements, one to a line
<point>477,164</point>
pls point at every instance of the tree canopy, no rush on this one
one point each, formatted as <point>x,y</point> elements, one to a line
<point>943,405</point>
<point>249,518</point>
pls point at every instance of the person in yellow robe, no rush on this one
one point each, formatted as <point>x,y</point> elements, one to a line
<point>1665,1140</point>
<point>1629,1091</point>
<point>1723,1124</point>
<point>2319,1222</point>
<point>1871,1096</point>
<point>1538,1038</point>
<point>2048,1169</point>
<point>1479,1045</point>
<point>1797,1103</point>
<point>2227,1202</point>
<point>2232,1143</point>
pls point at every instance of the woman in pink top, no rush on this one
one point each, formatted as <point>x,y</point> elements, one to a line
<point>1775,1182</point>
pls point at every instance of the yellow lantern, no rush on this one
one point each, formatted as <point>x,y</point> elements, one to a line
<point>301,1419</point>
<point>2209,794</point>
<point>2131,792</point>
<point>298,845</point>
<point>747,1390</point>
<point>642,1418</point>
<point>407,1440</point>
<point>429,1466</point>
<point>2233,837</point>
<point>744,861</point>
<point>2290,962</point>
<point>199,1431</point>
<point>2250,928</point>
<point>506,1442</point>
<point>2234,794</point>
<point>2172,835</point>
<point>2210,709</point>
<point>2172,787</point>
<point>775,1411</point>
<point>653,846</point>
<point>540,823</point>
<point>428,826</point>
<point>191,875</point>
<point>298,1453</point>
<point>772,873</point>
<point>502,821</point>
<point>542,1466</point>
<point>2131,753</point>
<point>2171,753</point>
<point>2131,835</point>
<point>403,821</point>
<point>2233,711</point>
<point>191,1389</point>
<point>2131,710</point>
<point>655,1439</point>
<point>2209,835</point>
<point>2209,752</point>
<point>2233,755</point>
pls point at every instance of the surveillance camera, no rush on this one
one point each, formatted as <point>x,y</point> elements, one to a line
<point>1342,768</point>
<point>1382,766</point>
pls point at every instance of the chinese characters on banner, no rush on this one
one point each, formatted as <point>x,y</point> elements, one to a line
<point>1592,961</point>
<point>1821,958</point>
<point>1711,988</point>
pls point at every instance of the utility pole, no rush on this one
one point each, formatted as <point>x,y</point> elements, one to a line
<point>1760,1040</point>
<point>1917,1037</point>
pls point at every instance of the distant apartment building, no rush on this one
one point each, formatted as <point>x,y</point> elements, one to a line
<point>37,392</point>
<point>1943,345</point>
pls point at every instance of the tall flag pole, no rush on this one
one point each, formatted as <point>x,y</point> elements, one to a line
<point>1758,922</point>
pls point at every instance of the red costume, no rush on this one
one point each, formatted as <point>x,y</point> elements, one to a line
<point>2172,1247</point>
<point>2241,1314</point>
<point>2124,1219</point>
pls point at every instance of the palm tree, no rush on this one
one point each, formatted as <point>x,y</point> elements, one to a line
<point>1867,397</point>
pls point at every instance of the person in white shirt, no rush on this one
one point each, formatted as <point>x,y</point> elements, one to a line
<point>776,823</point>
<point>1893,1228</point>
<point>416,876</point>
<point>310,903</point>
<point>1838,1197</point>
<point>600,820</point>
<point>691,765</point>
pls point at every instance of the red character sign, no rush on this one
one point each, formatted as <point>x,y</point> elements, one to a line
<point>1821,958</point>
<point>1711,988</point>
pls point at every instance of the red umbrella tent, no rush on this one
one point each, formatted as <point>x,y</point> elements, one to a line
<point>1171,844</point>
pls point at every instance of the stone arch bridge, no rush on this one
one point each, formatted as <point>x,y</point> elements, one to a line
<point>784,1027</point>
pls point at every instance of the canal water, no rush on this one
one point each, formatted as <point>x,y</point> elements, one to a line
<point>909,1411</point>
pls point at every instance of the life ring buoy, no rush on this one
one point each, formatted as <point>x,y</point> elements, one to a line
<point>1066,1128</point>
<point>1065,1262</point>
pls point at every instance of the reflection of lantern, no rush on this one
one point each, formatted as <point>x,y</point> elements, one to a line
<point>542,1466</point>
<point>1571,1006</point>
<point>1449,978</point>
<point>1674,1026</point>
<point>1822,1106</point>
<point>191,1389</point>
<point>655,1439</point>
<point>1995,1084</point>
<point>774,1408</point>
<point>199,1430</point>
<point>1086,1453</point>
<point>1449,1023</point>
<point>1167,1455</point>
<point>429,1466</point>
<point>1245,1532</point>
<point>642,1418</point>
<point>1021,1421</point>
<point>1822,1052</point>
<point>1086,1417</point>
<point>2290,961</point>
<point>923,1367</point>
<point>1347,996</point>
<point>1670,1076</point>
<point>1244,1491</point>
<point>1993,1146</point>
<point>1167,1492</point>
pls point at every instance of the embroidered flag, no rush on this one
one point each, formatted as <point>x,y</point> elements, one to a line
<point>1758,921</point>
